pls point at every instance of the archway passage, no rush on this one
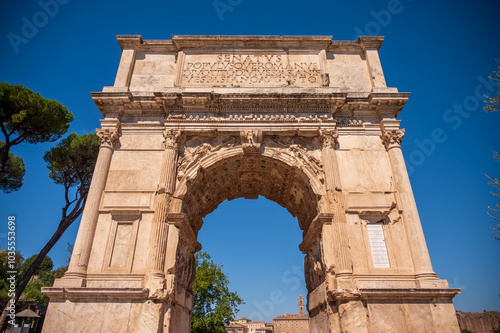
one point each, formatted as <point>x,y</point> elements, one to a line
<point>248,176</point>
<point>256,242</point>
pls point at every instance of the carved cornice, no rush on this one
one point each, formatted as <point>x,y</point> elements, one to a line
<point>178,42</point>
<point>96,293</point>
<point>318,106</point>
<point>107,137</point>
<point>129,41</point>
<point>432,295</point>
<point>371,42</point>
<point>413,293</point>
<point>392,138</point>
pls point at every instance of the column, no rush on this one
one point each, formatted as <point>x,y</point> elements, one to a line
<point>83,244</point>
<point>155,279</point>
<point>336,197</point>
<point>392,137</point>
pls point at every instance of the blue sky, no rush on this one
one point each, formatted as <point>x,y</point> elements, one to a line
<point>441,52</point>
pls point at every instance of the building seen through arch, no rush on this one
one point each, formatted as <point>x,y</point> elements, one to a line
<point>286,323</point>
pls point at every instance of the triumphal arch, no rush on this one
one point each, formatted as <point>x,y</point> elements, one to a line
<point>307,122</point>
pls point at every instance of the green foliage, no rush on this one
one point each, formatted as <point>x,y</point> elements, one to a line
<point>59,272</point>
<point>214,304</point>
<point>26,116</point>
<point>45,267</point>
<point>72,161</point>
<point>4,285</point>
<point>465,331</point>
<point>496,330</point>
<point>493,102</point>
<point>33,291</point>
<point>14,172</point>
<point>44,277</point>
<point>30,117</point>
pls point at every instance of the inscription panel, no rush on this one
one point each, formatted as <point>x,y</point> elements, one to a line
<point>276,69</point>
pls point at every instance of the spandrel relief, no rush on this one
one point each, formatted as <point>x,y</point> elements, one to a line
<point>193,149</point>
<point>305,150</point>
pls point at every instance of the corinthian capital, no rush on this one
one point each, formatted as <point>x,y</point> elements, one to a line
<point>107,137</point>
<point>172,138</point>
<point>392,138</point>
<point>329,138</point>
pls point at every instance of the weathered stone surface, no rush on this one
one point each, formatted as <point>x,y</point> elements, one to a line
<point>304,121</point>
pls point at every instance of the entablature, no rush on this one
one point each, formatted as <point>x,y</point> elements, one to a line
<point>321,103</point>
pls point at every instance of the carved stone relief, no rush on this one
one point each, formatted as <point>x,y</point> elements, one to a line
<point>313,268</point>
<point>107,137</point>
<point>193,149</point>
<point>305,150</point>
<point>251,140</point>
<point>270,116</point>
<point>185,268</point>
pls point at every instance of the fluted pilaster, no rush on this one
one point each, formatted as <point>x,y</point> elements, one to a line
<point>337,202</point>
<point>159,229</point>
<point>391,137</point>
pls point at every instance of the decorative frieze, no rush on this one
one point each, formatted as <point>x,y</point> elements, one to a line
<point>262,118</point>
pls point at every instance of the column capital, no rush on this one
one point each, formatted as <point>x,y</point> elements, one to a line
<point>392,138</point>
<point>172,138</point>
<point>107,137</point>
<point>329,138</point>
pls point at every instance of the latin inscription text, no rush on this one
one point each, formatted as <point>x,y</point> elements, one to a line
<point>238,70</point>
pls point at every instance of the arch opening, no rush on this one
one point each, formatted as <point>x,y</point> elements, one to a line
<point>248,176</point>
<point>256,241</point>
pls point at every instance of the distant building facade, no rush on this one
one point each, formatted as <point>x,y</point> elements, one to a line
<point>241,321</point>
<point>287,323</point>
<point>236,328</point>
<point>292,323</point>
<point>253,326</point>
